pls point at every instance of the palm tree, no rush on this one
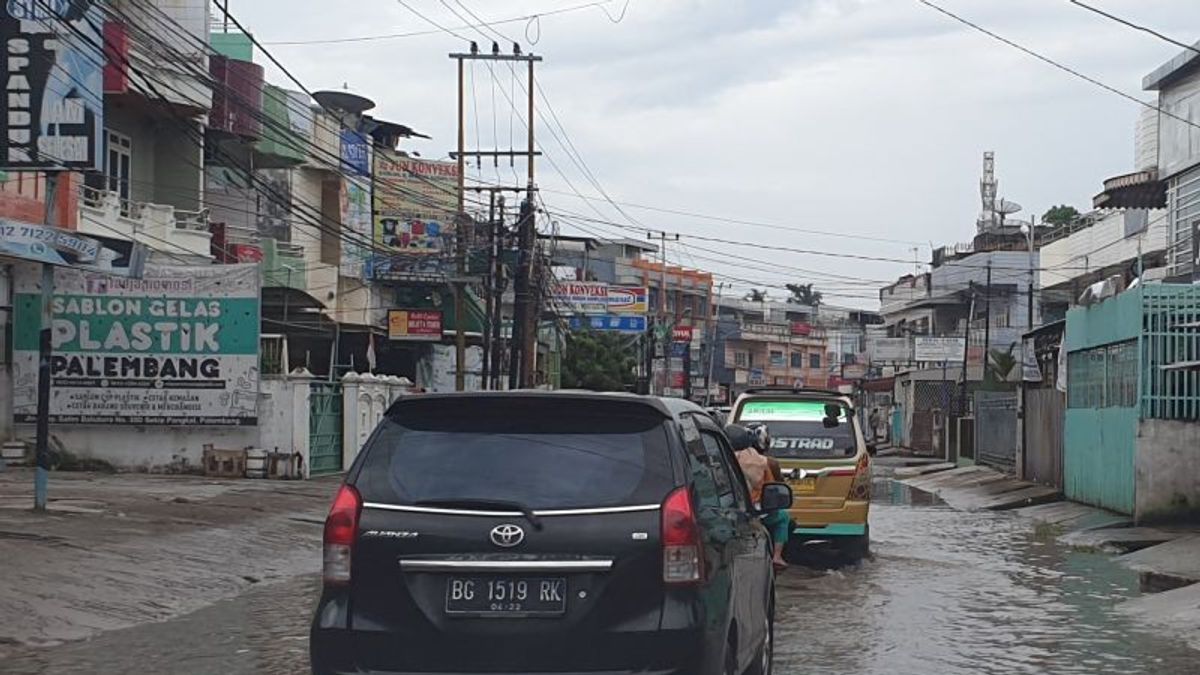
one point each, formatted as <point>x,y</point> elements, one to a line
<point>804,294</point>
<point>756,295</point>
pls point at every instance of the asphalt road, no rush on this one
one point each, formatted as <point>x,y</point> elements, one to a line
<point>945,593</point>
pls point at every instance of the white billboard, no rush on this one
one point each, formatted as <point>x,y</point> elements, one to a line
<point>939,349</point>
<point>889,350</point>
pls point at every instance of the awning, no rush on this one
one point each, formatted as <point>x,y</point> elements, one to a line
<point>1138,190</point>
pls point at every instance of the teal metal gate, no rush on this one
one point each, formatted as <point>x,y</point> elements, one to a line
<point>325,427</point>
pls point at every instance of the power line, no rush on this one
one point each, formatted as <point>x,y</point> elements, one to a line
<point>1144,29</point>
<point>421,33</point>
<point>1056,64</point>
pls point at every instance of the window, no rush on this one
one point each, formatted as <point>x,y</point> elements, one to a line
<point>777,360</point>
<point>546,454</point>
<point>797,360</point>
<point>118,158</point>
<point>798,431</point>
<point>814,360</point>
<point>741,359</point>
<point>1103,377</point>
<point>734,493</point>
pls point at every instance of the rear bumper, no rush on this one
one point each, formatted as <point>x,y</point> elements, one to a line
<point>848,521</point>
<point>684,671</point>
<point>339,652</point>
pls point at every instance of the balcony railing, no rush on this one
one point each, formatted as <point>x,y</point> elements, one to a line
<point>158,226</point>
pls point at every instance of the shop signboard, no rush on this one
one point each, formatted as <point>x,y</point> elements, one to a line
<point>889,350</point>
<point>596,297</point>
<point>610,323</point>
<point>53,112</point>
<point>67,248</point>
<point>178,347</point>
<point>938,349</point>
<point>682,334</point>
<point>415,325</point>
<point>415,204</point>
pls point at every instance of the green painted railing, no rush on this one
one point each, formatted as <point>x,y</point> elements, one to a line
<point>1170,385</point>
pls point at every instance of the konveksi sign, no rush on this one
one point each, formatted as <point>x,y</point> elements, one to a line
<point>596,297</point>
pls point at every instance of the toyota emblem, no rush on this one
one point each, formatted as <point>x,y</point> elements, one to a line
<point>507,536</point>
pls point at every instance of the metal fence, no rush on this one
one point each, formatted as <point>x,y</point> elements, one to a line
<point>996,429</point>
<point>1171,352</point>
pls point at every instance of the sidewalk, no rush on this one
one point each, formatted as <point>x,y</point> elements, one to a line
<point>1166,557</point>
<point>120,550</point>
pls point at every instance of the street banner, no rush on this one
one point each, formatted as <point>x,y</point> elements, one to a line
<point>177,347</point>
<point>938,349</point>
<point>355,205</point>
<point>53,97</point>
<point>618,324</point>
<point>415,325</point>
<point>68,248</point>
<point>597,297</point>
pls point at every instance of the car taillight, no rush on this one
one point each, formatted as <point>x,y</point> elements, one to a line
<point>341,529</point>
<point>683,560</point>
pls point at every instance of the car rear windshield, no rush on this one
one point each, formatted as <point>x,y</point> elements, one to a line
<point>798,430</point>
<point>539,453</point>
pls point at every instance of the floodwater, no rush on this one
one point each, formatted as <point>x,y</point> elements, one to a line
<point>945,593</point>
<point>949,592</point>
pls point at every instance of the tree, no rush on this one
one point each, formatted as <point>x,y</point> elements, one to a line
<point>598,361</point>
<point>757,295</point>
<point>1060,215</point>
<point>804,294</point>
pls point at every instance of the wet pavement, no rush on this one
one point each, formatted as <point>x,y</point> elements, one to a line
<point>946,592</point>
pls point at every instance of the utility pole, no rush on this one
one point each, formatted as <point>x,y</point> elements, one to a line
<point>962,403</point>
<point>987,324</point>
<point>712,346</point>
<point>522,293</point>
<point>460,253</point>
<point>489,295</point>
<point>41,478</point>
<point>498,285</point>
<point>525,250</point>
<point>667,327</point>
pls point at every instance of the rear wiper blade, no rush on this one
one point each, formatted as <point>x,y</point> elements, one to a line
<point>501,504</point>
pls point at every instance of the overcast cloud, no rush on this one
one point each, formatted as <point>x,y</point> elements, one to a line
<point>860,117</point>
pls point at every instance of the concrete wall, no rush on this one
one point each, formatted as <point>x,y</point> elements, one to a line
<point>1167,470</point>
<point>1179,143</point>
<point>283,413</point>
<point>1099,246</point>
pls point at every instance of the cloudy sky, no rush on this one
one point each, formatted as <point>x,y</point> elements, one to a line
<point>851,126</point>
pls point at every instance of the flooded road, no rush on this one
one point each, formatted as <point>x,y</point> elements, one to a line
<point>946,593</point>
<point>949,592</point>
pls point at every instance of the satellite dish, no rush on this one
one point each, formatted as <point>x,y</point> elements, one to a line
<point>1005,207</point>
<point>343,101</point>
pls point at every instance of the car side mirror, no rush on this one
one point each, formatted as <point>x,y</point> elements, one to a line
<point>872,449</point>
<point>776,497</point>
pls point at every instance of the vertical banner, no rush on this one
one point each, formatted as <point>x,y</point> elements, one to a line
<point>53,85</point>
<point>177,347</point>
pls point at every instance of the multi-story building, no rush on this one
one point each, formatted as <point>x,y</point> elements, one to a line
<point>767,343</point>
